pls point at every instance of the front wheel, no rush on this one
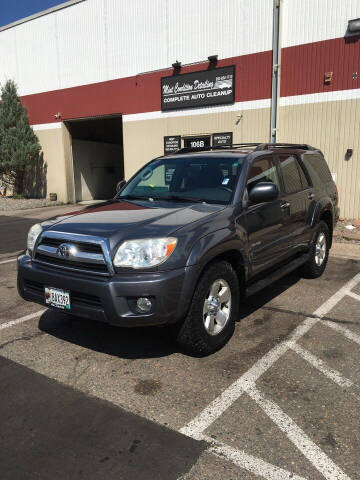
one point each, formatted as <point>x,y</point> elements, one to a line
<point>319,252</point>
<point>210,321</point>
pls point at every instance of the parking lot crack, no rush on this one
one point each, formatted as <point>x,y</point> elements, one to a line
<point>22,338</point>
<point>290,312</point>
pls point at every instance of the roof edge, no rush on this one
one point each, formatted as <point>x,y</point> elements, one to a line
<point>61,6</point>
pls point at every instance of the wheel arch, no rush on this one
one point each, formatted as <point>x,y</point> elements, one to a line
<point>232,256</point>
<point>327,217</point>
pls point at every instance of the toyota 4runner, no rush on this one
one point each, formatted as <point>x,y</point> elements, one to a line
<point>185,239</point>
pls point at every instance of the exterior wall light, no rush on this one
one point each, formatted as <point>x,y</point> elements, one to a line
<point>176,66</point>
<point>353,28</point>
<point>213,60</point>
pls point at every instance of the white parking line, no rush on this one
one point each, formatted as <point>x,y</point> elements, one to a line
<point>21,319</point>
<point>354,295</point>
<point>343,330</point>
<point>246,382</point>
<point>8,261</point>
<point>322,367</point>
<point>248,462</point>
<point>218,406</point>
<point>299,438</point>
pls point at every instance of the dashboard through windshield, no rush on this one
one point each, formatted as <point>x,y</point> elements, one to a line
<point>209,179</point>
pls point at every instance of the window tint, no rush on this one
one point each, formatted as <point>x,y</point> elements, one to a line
<point>262,170</point>
<point>290,174</point>
<point>318,164</point>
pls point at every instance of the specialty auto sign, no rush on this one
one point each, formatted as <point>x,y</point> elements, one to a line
<point>198,89</point>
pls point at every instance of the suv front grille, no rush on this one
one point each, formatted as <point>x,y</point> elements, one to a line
<point>86,254</point>
<point>70,263</point>
<point>82,246</point>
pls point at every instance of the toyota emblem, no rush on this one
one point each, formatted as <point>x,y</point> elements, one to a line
<point>66,250</point>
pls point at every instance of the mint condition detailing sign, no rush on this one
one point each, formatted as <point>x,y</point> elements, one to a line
<point>198,89</point>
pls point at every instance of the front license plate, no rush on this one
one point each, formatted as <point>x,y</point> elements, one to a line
<point>56,297</point>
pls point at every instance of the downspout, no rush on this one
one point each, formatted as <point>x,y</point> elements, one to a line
<point>275,71</point>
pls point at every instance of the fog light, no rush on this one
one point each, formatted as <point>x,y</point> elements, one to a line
<point>144,304</point>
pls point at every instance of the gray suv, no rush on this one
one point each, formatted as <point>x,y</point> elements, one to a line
<point>185,239</point>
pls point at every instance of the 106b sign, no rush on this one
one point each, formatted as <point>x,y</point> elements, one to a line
<point>197,143</point>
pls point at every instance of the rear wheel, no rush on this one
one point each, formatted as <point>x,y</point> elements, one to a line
<point>319,252</point>
<point>210,321</point>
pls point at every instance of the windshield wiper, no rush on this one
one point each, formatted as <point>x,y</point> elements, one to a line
<point>133,197</point>
<point>178,198</point>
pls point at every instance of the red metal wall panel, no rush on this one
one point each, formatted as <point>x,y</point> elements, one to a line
<point>303,66</point>
<point>141,93</point>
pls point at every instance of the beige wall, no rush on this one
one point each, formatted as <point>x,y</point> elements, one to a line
<point>97,169</point>
<point>53,146</point>
<point>144,139</point>
<point>333,127</point>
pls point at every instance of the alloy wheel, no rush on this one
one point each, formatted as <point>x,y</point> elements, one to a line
<point>217,307</point>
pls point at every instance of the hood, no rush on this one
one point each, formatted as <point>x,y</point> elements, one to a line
<point>120,220</point>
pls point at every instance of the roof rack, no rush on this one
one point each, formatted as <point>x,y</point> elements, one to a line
<point>216,147</point>
<point>267,146</point>
<point>257,147</point>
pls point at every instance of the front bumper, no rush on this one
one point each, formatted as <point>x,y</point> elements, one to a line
<point>111,300</point>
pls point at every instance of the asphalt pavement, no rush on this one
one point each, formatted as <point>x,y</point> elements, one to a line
<point>81,399</point>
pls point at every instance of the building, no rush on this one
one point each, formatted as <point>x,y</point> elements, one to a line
<point>92,74</point>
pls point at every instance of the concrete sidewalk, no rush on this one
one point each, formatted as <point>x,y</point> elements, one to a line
<point>345,250</point>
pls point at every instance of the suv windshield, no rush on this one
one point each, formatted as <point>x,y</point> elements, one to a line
<point>209,179</point>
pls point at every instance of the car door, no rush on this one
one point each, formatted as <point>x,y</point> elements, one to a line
<point>294,202</point>
<point>265,220</point>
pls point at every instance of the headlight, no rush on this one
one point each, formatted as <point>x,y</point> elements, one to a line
<point>33,234</point>
<point>144,253</point>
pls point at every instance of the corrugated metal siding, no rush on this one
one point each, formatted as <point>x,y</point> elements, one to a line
<point>33,68</point>
<point>306,21</point>
<point>308,113</point>
<point>144,140</point>
<point>99,40</point>
<point>303,67</point>
<point>333,127</point>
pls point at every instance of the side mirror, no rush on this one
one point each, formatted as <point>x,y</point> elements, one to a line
<point>263,192</point>
<point>120,185</point>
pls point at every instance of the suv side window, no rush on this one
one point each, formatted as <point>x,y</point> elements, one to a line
<point>262,170</point>
<point>318,164</point>
<point>290,171</point>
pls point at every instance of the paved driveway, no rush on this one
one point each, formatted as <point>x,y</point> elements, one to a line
<point>81,399</point>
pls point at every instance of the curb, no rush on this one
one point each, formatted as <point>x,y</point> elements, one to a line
<point>348,251</point>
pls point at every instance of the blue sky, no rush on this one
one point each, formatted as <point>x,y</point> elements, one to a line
<point>12,10</point>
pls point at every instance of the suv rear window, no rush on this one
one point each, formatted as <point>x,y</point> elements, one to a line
<point>319,166</point>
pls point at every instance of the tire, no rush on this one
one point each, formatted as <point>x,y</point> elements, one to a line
<point>313,268</point>
<point>194,334</point>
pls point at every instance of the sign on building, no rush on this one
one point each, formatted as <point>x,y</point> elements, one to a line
<point>172,144</point>
<point>222,139</point>
<point>198,89</point>
<point>197,143</point>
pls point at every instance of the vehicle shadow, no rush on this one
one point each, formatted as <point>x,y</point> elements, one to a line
<point>250,304</point>
<point>130,343</point>
<point>145,342</point>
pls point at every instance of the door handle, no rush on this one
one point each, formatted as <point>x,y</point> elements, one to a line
<point>285,205</point>
<point>311,196</point>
